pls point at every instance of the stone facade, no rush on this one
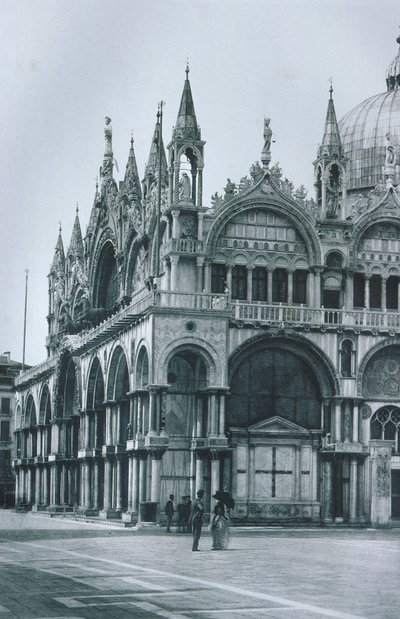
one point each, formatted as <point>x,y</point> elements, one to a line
<point>251,345</point>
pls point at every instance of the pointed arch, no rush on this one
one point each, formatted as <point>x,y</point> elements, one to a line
<point>142,368</point>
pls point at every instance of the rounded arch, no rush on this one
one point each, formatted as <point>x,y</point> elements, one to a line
<point>67,386</point>
<point>142,368</point>
<point>301,221</point>
<point>277,377</point>
<point>366,222</point>
<point>45,405</point>
<point>186,372</point>
<point>379,373</point>
<point>334,259</point>
<point>197,346</point>
<point>307,351</point>
<point>30,412</point>
<point>118,375</point>
<point>95,386</point>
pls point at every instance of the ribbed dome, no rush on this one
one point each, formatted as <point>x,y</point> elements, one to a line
<point>366,129</point>
<point>363,133</point>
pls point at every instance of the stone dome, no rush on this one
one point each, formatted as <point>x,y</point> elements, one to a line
<point>367,130</point>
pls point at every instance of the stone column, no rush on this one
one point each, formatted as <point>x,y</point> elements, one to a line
<point>174,272</point>
<point>323,198</point>
<point>366,292</point>
<point>200,188</point>
<point>156,475</point>
<point>349,303</point>
<point>200,218</point>
<point>118,483</point>
<point>108,436</point>
<point>297,473</point>
<point>249,283</point>
<point>46,485</point>
<point>130,484</point>
<point>17,487</point>
<point>213,414</point>
<point>355,421</point>
<point>327,498</point>
<point>338,465</point>
<point>353,490</point>
<point>199,471</point>
<point>229,277</point>
<point>317,286</point>
<point>199,274</point>
<point>269,286</point>
<point>135,484</point>
<point>215,471</point>
<point>107,484</point>
<point>198,431</point>
<point>398,294</point>
<point>153,394</point>
<point>96,485</point>
<point>222,414</point>
<point>360,492</point>
<point>86,468</point>
<point>142,476</point>
<point>37,485</point>
<point>338,420</point>
<point>290,287</point>
<point>207,276</point>
<point>383,294</point>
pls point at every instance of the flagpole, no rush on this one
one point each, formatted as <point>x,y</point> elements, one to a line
<point>26,305</point>
<point>158,211</point>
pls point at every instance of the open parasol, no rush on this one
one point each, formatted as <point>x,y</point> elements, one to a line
<point>225,498</point>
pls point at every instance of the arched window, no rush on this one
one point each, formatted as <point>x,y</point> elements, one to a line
<point>107,283</point>
<point>280,286</point>
<point>385,425</point>
<point>375,292</point>
<point>346,358</point>
<point>334,260</point>
<point>260,284</point>
<point>300,286</point>
<point>218,278</point>
<point>239,283</point>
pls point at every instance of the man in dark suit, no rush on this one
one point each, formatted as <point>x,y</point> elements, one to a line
<point>169,511</point>
<point>196,518</point>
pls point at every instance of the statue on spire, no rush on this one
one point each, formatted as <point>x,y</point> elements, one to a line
<point>108,152</point>
<point>266,151</point>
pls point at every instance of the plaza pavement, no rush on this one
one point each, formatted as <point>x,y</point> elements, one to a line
<point>54,567</point>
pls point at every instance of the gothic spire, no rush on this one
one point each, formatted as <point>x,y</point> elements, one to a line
<point>331,144</point>
<point>59,255</point>
<point>75,248</point>
<point>131,180</point>
<point>186,123</point>
<point>152,163</point>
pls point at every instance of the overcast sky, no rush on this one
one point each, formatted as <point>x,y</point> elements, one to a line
<point>68,63</point>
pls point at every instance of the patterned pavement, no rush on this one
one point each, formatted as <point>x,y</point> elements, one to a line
<point>52,567</point>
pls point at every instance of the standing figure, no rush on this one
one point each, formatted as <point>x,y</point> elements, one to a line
<point>196,519</point>
<point>169,512</point>
<point>219,527</point>
<point>267,136</point>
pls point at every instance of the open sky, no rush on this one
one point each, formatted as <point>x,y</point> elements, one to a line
<point>68,63</point>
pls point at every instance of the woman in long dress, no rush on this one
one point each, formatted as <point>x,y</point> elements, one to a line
<point>219,528</point>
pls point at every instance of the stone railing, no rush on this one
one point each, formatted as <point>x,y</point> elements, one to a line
<point>183,246</point>
<point>192,300</point>
<point>36,371</point>
<point>316,317</point>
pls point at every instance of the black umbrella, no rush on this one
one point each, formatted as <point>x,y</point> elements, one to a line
<point>224,497</point>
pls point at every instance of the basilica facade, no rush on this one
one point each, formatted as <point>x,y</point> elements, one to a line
<point>250,345</point>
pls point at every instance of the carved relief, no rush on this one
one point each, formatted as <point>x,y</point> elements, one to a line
<point>382,374</point>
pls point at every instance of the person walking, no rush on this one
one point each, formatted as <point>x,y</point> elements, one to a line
<point>169,512</point>
<point>196,519</point>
